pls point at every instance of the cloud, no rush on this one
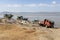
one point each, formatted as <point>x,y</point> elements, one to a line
<point>53,2</point>
<point>10,5</point>
<point>43,4</point>
<point>14,5</point>
<point>30,5</point>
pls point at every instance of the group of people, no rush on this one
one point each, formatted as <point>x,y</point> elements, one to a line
<point>47,23</point>
<point>21,20</point>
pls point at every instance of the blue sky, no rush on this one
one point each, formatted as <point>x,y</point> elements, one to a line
<point>30,5</point>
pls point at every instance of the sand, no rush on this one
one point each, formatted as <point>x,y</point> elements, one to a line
<point>20,32</point>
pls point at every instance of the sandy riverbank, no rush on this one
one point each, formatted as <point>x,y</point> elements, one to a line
<point>20,32</point>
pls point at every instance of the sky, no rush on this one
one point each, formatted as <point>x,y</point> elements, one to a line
<point>30,5</point>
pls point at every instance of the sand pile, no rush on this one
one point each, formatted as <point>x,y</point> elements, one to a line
<point>19,32</point>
